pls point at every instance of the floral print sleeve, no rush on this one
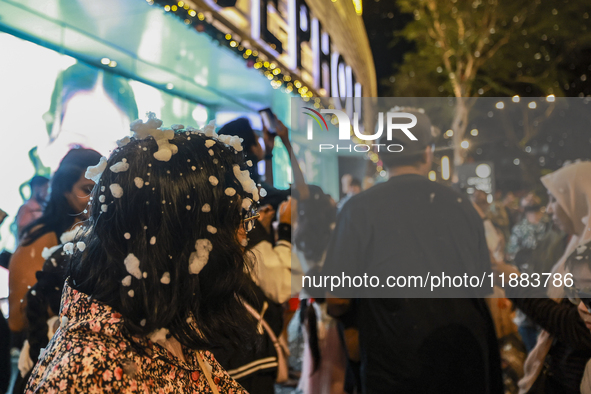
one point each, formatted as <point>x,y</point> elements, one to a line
<point>89,354</point>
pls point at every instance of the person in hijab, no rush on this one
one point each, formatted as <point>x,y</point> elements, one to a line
<point>557,362</point>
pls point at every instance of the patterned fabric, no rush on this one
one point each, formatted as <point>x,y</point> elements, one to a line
<point>526,235</point>
<point>90,353</point>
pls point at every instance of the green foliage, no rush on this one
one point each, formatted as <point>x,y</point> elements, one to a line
<point>491,47</point>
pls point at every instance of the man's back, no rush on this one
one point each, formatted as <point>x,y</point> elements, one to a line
<point>412,226</point>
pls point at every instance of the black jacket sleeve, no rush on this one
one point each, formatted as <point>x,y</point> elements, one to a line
<point>562,319</point>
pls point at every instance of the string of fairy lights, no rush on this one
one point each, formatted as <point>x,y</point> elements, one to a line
<point>278,78</point>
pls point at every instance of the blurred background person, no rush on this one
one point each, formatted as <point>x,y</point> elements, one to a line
<point>557,362</point>
<point>534,246</point>
<point>32,209</point>
<point>258,366</point>
<point>67,206</point>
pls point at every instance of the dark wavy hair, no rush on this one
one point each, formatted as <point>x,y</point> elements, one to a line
<point>58,216</point>
<point>316,214</point>
<point>200,310</point>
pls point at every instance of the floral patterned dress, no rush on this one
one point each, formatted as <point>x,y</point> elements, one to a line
<point>90,354</point>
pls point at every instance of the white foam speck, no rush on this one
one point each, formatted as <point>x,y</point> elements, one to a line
<point>209,143</point>
<point>131,293</point>
<point>81,246</point>
<point>247,183</point>
<point>230,191</point>
<point>121,166</point>
<point>206,208</point>
<point>116,190</point>
<point>143,322</point>
<point>132,265</point>
<point>94,173</point>
<point>139,182</point>
<point>123,141</point>
<point>127,235</point>
<point>165,278</point>
<point>213,180</point>
<point>263,192</point>
<point>159,335</point>
<point>102,198</point>
<point>153,241</point>
<point>249,163</point>
<point>145,274</point>
<point>104,207</point>
<point>69,248</point>
<point>212,229</point>
<point>47,252</point>
<point>102,188</point>
<point>210,152</point>
<point>188,207</point>
<point>126,281</point>
<point>199,258</point>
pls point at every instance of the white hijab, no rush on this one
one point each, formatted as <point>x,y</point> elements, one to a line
<point>571,186</point>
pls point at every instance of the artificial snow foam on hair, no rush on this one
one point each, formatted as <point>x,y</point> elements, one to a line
<point>209,130</point>
<point>263,192</point>
<point>126,281</point>
<point>139,182</point>
<point>123,141</point>
<point>199,258</point>
<point>159,336</point>
<point>233,141</point>
<point>47,252</point>
<point>69,236</point>
<point>153,241</point>
<point>132,265</point>
<point>210,143</point>
<point>162,136</point>
<point>230,191</point>
<point>116,190</point>
<point>120,166</point>
<point>102,198</point>
<point>213,180</point>
<point>165,278</point>
<point>94,172</point>
<point>212,229</point>
<point>81,246</point>
<point>69,248</point>
<point>249,163</point>
<point>104,207</point>
<point>247,183</point>
<point>246,204</point>
<point>206,207</point>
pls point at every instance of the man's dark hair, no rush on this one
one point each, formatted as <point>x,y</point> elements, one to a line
<point>399,159</point>
<point>37,181</point>
<point>199,310</point>
<point>413,152</point>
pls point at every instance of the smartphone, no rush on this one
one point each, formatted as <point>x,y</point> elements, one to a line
<point>269,120</point>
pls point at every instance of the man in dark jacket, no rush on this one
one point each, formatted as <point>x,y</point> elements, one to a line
<point>406,226</point>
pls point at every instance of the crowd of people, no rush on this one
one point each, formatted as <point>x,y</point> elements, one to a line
<point>174,266</point>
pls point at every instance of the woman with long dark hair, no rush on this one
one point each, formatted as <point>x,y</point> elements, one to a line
<point>152,286</point>
<point>68,200</point>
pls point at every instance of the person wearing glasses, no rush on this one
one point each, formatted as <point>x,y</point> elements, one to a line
<point>153,286</point>
<point>557,362</point>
